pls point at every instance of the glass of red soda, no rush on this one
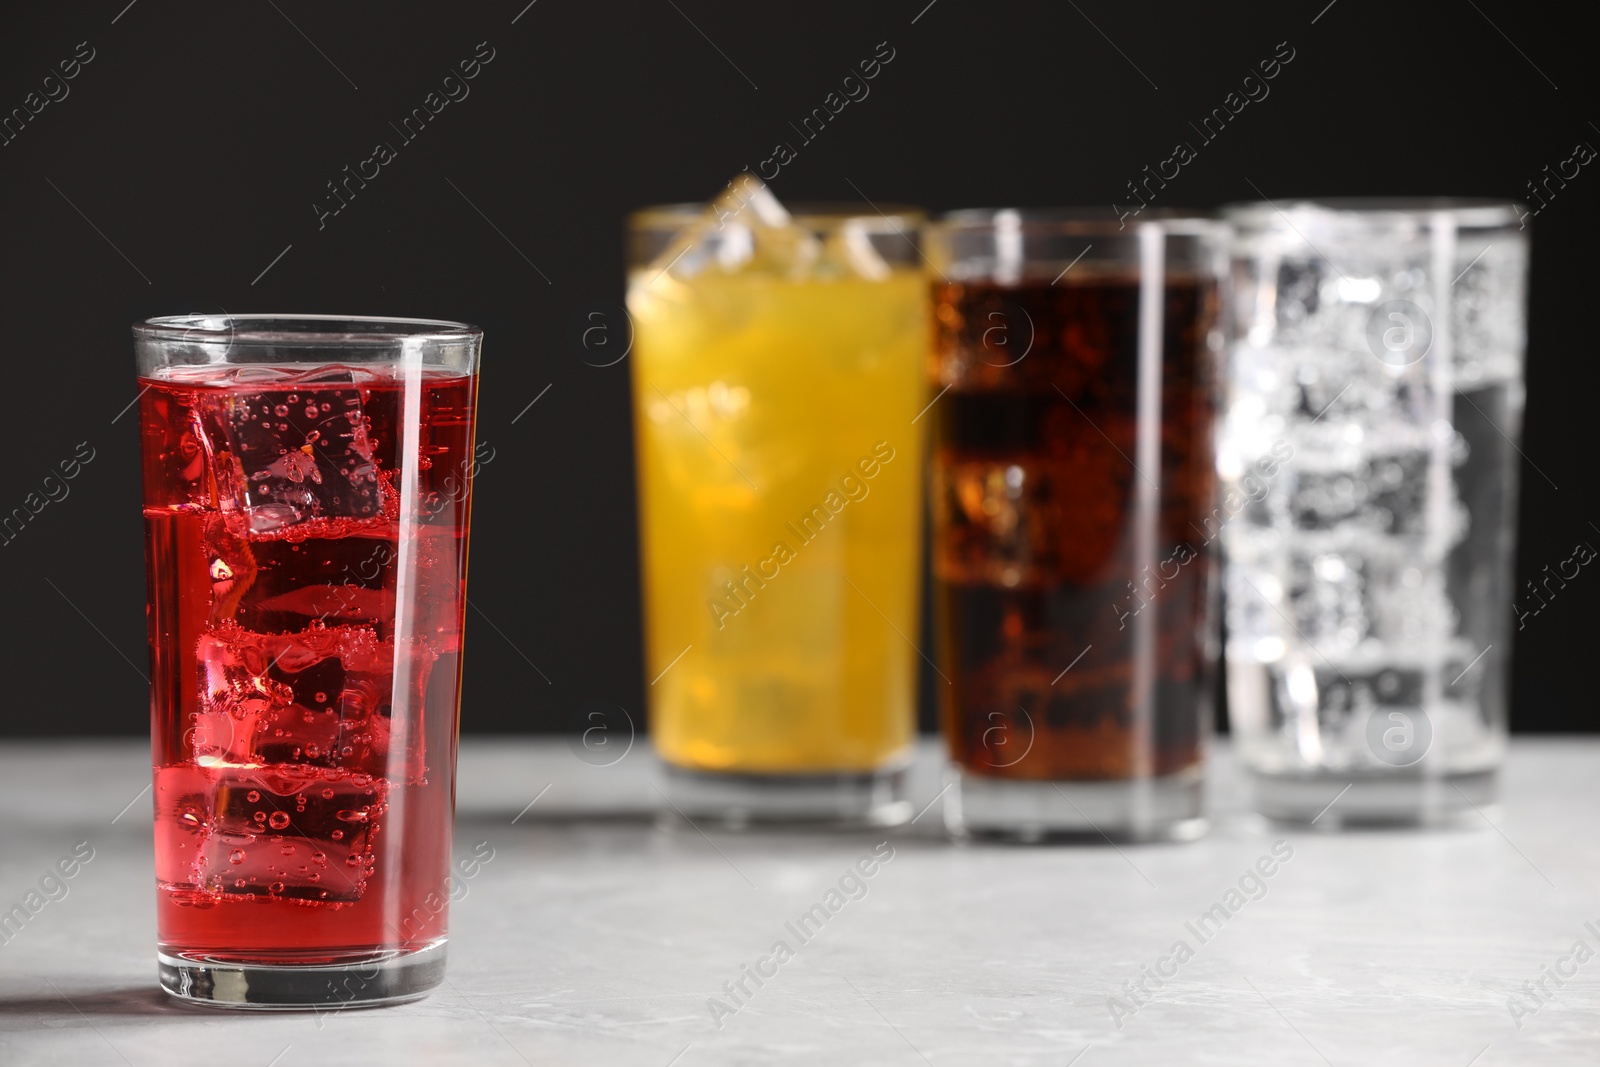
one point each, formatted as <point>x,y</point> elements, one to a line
<point>307,486</point>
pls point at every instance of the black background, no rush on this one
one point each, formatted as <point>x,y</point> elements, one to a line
<point>192,147</point>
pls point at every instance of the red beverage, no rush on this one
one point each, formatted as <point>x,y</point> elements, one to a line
<point>307,538</point>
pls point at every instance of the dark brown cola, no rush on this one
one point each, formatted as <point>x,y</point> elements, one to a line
<point>1073,582</point>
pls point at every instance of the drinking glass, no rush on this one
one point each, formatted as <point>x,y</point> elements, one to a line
<point>307,484</point>
<point>777,373</point>
<point>1374,403</point>
<point>1073,473</point>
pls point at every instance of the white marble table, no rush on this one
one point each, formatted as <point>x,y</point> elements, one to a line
<point>593,938</point>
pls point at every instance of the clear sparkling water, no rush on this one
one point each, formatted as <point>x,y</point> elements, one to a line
<point>1369,475</point>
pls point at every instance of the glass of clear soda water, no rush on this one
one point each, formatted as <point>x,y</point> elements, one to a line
<point>1369,460</point>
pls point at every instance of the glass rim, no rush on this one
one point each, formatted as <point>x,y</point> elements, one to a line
<point>830,213</point>
<point>1077,220</point>
<point>1366,210</point>
<point>308,331</point>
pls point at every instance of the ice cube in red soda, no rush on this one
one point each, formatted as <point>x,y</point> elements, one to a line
<point>278,830</point>
<point>286,457</point>
<point>316,699</point>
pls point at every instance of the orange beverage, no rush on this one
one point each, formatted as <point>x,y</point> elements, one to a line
<point>780,486</point>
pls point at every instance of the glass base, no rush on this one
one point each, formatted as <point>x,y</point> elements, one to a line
<point>1376,800</point>
<point>742,801</point>
<point>382,978</point>
<point>1170,808</point>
